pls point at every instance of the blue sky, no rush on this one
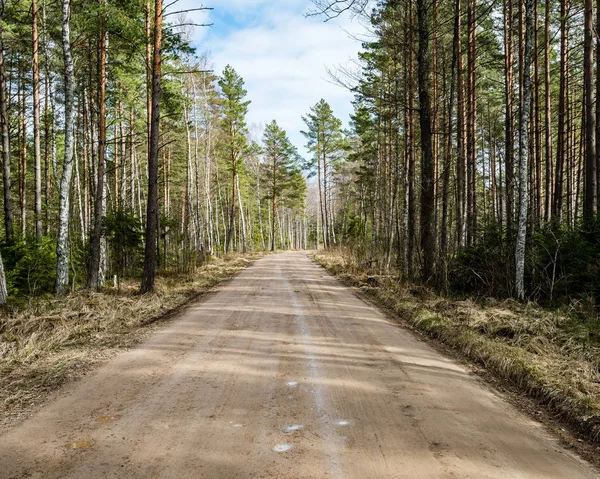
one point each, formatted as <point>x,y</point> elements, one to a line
<point>282,56</point>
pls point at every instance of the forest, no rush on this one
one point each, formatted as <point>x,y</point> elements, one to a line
<point>469,164</point>
<point>473,163</point>
<point>456,203</point>
<point>125,155</point>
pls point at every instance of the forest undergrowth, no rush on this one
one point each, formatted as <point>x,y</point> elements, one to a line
<point>553,356</point>
<point>46,342</point>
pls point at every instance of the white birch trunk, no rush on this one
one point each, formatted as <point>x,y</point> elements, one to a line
<point>242,217</point>
<point>523,153</point>
<point>62,243</point>
<point>3,292</point>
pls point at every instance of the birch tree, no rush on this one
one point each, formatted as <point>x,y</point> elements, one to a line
<point>62,244</point>
<point>524,151</point>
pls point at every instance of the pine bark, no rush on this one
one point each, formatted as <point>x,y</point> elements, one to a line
<point>4,125</point>
<point>561,148</point>
<point>509,116</point>
<point>427,160</point>
<point>590,203</point>
<point>95,278</point>
<point>548,116</point>
<point>471,123</point>
<point>36,124</point>
<point>152,207</point>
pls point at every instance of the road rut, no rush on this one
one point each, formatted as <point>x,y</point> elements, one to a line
<point>283,373</point>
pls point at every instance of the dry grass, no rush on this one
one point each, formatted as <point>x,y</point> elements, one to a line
<point>49,341</point>
<point>550,356</point>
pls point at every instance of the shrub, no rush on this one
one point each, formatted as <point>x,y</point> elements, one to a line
<point>30,267</point>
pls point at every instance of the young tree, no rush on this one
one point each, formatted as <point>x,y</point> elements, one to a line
<point>235,144</point>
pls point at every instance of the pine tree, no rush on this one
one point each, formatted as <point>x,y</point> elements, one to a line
<point>280,167</point>
<point>235,146</point>
<point>327,143</point>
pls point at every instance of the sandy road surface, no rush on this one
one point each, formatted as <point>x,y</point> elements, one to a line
<point>283,373</point>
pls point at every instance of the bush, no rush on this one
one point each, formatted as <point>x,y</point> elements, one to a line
<point>561,265</point>
<point>124,235</point>
<point>30,267</point>
<point>486,268</point>
<point>566,263</point>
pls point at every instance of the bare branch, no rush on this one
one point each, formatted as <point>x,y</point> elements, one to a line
<point>187,72</point>
<point>187,11</point>
<point>193,25</point>
<point>331,9</point>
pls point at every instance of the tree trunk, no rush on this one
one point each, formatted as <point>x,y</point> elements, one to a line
<point>461,204</point>
<point>411,217</point>
<point>152,208</point>
<point>319,183</point>
<point>589,204</point>
<point>597,104</point>
<point>427,161</point>
<point>242,216</point>
<point>4,124</point>
<point>231,228</point>
<point>509,104</point>
<point>95,279</point>
<point>36,125</point>
<point>3,292</point>
<point>23,154</point>
<point>62,243</point>
<point>548,116</point>
<point>557,204</point>
<point>148,72</point>
<point>471,124</point>
<point>524,151</point>
<point>448,155</point>
<point>326,232</point>
<point>274,204</point>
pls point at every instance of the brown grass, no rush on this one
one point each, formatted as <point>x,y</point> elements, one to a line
<point>52,340</point>
<point>550,356</point>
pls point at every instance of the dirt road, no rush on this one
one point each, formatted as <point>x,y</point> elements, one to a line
<point>282,373</point>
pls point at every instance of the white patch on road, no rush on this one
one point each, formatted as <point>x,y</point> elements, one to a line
<point>237,425</point>
<point>294,427</point>
<point>316,379</point>
<point>343,422</point>
<point>292,384</point>
<point>282,448</point>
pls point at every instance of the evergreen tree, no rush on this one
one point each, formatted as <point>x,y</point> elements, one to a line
<point>326,142</point>
<point>235,144</point>
<point>280,167</point>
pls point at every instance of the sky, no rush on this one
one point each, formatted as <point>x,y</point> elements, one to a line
<point>282,55</point>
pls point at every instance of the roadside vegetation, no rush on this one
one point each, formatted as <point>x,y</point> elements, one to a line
<point>47,341</point>
<point>551,355</point>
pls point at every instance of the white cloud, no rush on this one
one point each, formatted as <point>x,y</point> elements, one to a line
<point>282,56</point>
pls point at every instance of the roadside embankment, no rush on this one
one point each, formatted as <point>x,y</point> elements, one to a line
<point>49,341</point>
<point>551,356</point>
